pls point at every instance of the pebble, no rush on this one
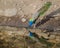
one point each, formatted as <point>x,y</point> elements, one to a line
<point>9,19</point>
<point>34,6</point>
<point>1,34</point>
<point>28,46</point>
<point>10,33</point>
<point>55,6</point>
<point>1,38</point>
<point>23,20</point>
<point>56,18</point>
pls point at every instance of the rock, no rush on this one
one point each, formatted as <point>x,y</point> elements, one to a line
<point>1,12</point>
<point>52,37</point>
<point>44,35</point>
<point>58,38</point>
<point>10,12</point>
